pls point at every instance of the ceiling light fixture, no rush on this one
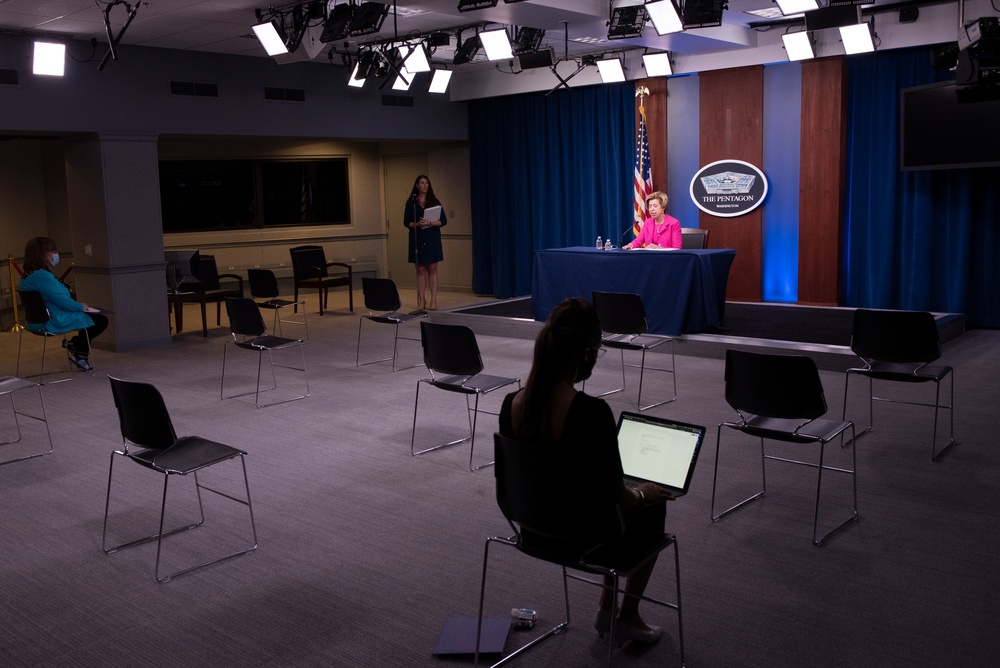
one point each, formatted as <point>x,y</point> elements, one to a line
<point>414,58</point>
<point>49,59</point>
<point>657,64</point>
<point>497,44</point>
<point>664,16</point>
<point>466,50</point>
<point>440,81</point>
<point>611,70</point>
<point>472,5</point>
<point>857,38</point>
<point>271,37</point>
<point>790,7</point>
<point>368,18</point>
<point>798,46</point>
<point>626,22</point>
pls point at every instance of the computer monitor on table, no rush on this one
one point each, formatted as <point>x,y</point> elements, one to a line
<point>182,270</point>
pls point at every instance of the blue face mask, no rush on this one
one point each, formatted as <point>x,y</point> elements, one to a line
<point>55,259</point>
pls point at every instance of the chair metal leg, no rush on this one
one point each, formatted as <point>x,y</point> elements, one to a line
<point>17,426</point>
<point>951,419</point>
<point>413,433</point>
<point>671,371</point>
<point>819,483</point>
<point>715,478</point>
<point>472,430</point>
<point>395,352</point>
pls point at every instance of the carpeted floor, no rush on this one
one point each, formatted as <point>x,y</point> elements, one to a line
<point>365,551</point>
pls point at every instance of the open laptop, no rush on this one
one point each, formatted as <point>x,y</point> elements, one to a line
<point>659,450</point>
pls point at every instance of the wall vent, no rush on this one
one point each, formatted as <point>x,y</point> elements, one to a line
<point>397,101</point>
<point>285,94</point>
<point>8,77</point>
<point>196,89</point>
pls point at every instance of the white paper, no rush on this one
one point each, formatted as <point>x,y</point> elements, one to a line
<point>432,214</point>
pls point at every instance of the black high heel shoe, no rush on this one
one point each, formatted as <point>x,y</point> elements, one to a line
<point>625,632</point>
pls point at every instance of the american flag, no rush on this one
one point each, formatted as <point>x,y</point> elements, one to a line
<point>643,178</point>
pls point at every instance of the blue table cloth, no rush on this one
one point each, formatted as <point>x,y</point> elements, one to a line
<point>684,291</point>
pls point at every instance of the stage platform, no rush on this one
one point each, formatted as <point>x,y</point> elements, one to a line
<point>824,333</point>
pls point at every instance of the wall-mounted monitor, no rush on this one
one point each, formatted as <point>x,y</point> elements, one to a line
<point>943,127</point>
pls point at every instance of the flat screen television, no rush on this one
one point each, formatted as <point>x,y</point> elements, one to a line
<point>942,127</point>
<point>182,270</point>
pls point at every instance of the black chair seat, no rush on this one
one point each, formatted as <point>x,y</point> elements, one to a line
<point>267,342</point>
<point>790,430</point>
<point>480,383</point>
<point>903,372</point>
<point>186,455</point>
<point>278,303</point>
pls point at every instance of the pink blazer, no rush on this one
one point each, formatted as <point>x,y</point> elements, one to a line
<point>666,234</point>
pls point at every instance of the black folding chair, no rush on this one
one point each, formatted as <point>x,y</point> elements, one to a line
<point>249,333</point>
<point>452,357</point>
<point>898,346</point>
<point>150,441</point>
<point>623,323</point>
<point>311,270</point>
<point>383,304</point>
<point>264,288</point>
<point>780,398</point>
<point>563,511</point>
<point>35,313</point>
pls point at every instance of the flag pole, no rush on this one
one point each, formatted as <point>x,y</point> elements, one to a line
<point>643,179</point>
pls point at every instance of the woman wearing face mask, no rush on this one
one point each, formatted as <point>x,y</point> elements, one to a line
<point>551,413</point>
<point>65,313</point>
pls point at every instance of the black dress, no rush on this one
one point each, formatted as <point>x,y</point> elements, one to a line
<point>590,425</point>
<point>428,241</point>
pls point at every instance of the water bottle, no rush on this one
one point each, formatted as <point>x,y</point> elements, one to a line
<point>600,244</point>
<point>607,245</point>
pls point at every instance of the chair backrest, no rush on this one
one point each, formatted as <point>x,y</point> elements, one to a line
<point>142,414</point>
<point>694,238</point>
<point>35,312</point>
<point>208,273</point>
<point>556,492</point>
<point>895,336</point>
<point>308,262</point>
<point>380,294</point>
<point>263,284</point>
<point>778,386</point>
<point>450,349</point>
<point>244,317</point>
<point>620,312</point>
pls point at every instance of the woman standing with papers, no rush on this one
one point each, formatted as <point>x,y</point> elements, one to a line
<point>424,216</point>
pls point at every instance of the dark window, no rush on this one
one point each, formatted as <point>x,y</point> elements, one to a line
<point>226,194</point>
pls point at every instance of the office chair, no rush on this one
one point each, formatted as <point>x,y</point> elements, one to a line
<point>249,333</point>
<point>311,270</point>
<point>557,504</point>
<point>383,304</point>
<point>694,238</point>
<point>898,346</point>
<point>780,398</point>
<point>150,441</point>
<point>623,323</point>
<point>451,355</point>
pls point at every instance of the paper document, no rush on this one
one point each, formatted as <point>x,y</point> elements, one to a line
<point>432,214</point>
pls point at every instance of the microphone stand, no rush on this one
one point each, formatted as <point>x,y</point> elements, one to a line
<point>416,248</point>
<point>621,239</point>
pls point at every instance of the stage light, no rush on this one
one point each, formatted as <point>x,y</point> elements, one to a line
<point>527,40</point>
<point>664,16</point>
<point>611,70</point>
<point>789,7</point>
<point>414,58</point>
<point>50,59</point>
<point>270,38</point>
<point>627,22</point>
<point>798,46</point>
<point>467,50</point>
<point>440,81</point>
<point>368,18</point>
<point>403,80</point>
<point>471,5</point>
<point>703,13</point>
<point>367,61</point>
<point>338,23</point>
<point>497,44</point>
<point>857,38</point>
<point>657,64</point>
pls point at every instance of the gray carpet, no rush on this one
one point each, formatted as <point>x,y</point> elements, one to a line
<point>365,552</point>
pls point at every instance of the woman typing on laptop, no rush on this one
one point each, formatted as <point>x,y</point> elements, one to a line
<point>550,412</point>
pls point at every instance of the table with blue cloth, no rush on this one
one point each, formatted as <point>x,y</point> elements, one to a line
<point>684,291</point>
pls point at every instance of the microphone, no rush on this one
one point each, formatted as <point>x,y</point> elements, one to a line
<point>621,240</point>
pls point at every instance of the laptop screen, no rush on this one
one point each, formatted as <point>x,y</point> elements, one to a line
<point>659,450</point>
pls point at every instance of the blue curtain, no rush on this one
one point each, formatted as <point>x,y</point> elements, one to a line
<point>547,172</point>
<point>927,240</point>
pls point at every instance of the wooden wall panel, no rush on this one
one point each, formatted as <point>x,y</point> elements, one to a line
<point>731,116</point>
<point>656,126</point>
<point>822,165</point>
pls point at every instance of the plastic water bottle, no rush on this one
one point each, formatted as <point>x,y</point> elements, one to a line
<point>600,244</point>
<point>607,244</point>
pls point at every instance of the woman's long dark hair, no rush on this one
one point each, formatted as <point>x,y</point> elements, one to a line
<point>36,254</point>
<point>432,199</point>
<point>572,328</point>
